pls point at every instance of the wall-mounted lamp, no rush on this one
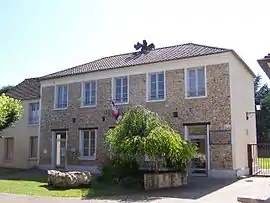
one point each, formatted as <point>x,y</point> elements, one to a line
<point>258,108</point>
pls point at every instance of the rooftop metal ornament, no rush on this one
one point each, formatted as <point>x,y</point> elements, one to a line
<point>144,47</point>
<point>267,56</point>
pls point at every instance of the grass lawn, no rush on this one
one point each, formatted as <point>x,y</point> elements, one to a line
<point>264,163</point>
<point>30,183</point>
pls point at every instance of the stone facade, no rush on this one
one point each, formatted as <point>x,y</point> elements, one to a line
<point>164,180</point>
<point>215,108</point>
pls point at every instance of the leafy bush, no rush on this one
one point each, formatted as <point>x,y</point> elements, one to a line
<point>10,111</point>
<point>126,173</point>
<point>142,132</point>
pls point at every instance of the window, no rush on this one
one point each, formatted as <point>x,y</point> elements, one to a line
<point>88,143</point>
<point>197,130</point>
<point>196,82</point>
<point>33,146</point>
<point>9,148</point>
<point>33,113</point>
<point>156,86</point>
<point>89,93</point>
<point>61,96</point>
<point>120,93</point>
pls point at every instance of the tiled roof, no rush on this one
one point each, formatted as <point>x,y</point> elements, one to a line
<point>26,90</point>
<point>131,59</point>
<point>264,63</point>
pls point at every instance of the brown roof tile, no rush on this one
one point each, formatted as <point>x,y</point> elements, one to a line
<point>264,64</point>
<point>130,59</point>
<point>26,90</point>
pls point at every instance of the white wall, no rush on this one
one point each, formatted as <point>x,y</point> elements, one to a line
<point>242,101</point>
<point>21,132</point>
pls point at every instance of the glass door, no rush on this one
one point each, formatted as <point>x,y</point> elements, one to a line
<point>198,135</point>
<point>198,164</point>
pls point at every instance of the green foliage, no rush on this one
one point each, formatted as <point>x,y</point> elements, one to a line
<point>114,170</point>
<point>142,132</point>
<point>262,96</point>
<point>5,89</point>
<point>10,111</point>
<point>260,90</point>
<point>263,119</point>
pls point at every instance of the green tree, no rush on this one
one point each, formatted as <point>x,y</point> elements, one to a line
<point>5,89</point>
<point>260,90</point>
<point>10,111</point>
<point>263,119</point>
<point>262,97</point>
<point>142,132</point>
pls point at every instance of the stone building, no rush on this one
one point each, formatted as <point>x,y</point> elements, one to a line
<point>203,92</point>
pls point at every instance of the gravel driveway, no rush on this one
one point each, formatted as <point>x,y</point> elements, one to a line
<point>201,190</point>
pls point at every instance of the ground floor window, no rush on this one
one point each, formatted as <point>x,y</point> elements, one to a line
<point>33,146</point>
<point>88,141</point>
<point>9,148</point>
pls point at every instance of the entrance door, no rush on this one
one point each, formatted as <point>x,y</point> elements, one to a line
<point>198,135</point>
<point>59,152</point>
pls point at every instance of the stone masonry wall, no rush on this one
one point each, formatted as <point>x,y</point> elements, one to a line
<point>215,108</point>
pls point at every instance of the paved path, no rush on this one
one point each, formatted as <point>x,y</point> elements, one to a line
<point>199,190</point>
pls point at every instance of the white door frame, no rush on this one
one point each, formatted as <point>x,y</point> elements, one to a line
<point>207,150</point>
<point>53,155</point>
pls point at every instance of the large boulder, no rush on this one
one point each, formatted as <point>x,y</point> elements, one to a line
<point>68,179</point>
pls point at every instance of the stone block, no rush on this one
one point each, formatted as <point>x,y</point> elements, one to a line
<point>164,180</point>
<point>66,180</point>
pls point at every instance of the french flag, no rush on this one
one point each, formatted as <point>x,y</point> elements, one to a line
<point>116,113</point>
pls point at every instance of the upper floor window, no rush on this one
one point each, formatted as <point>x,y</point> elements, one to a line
<point>89,95</point>
<point>33,113</point>
<point>61,96</point>
<point>156,86</point>
<point>120,89</point>
<point>195,82</point>
<point>88,139</point>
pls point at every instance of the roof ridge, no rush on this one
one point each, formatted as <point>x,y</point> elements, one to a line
<point>114,56</point>
<point>175,52</point>
<point>210,46</point>
<point>164,47</point>
<point>29,79</point>
<point>137,51</point>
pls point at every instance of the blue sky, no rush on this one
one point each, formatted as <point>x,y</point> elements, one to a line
<point>38,37</point>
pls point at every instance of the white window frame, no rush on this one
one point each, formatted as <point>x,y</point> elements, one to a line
<point>81,144</point>
<point>148,86</point>
<point>187,80</point>
<point>114,89</point>
<point>83,93</point>
<point>56,96</point>
<point>30,123</point>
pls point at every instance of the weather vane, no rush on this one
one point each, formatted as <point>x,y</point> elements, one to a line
<point>144,47</point>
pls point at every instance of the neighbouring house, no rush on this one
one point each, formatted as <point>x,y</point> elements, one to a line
<point>265,64</point>
<point>203,92</point>
<point>19,143</point>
